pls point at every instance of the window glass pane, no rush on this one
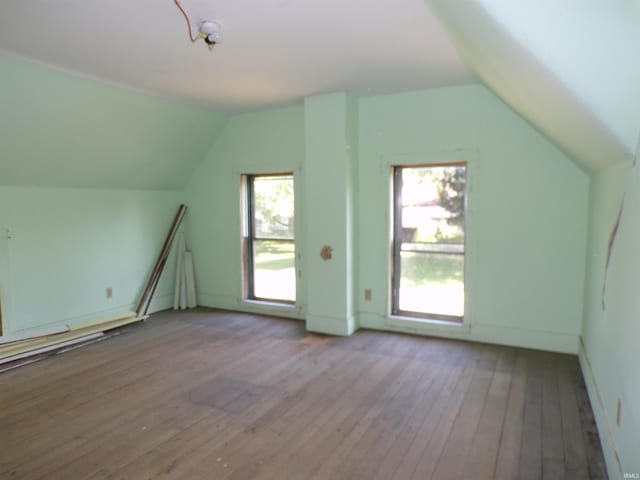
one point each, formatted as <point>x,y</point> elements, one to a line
<point>274,274</point>
<point>273,197</point>
<point>433,205</point>
<point>432,283</point>
<point>430,223</point>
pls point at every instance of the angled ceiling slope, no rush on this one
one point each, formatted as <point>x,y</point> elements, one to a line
<point>567,67</point>
<point>59,130</point>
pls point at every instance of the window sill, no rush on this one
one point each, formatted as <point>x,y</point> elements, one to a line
<point>428,321</point>
<point>275,309</point>
<point>267,303</point>
<point>426,324</point>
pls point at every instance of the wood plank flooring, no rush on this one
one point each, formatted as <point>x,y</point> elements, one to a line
<point>207,394</point>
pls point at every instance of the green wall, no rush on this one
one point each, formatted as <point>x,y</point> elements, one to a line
<point>610,353</point>
<point>66,246</point>
<point>329,214</point>
<point>60,130</point>
<point>263,142</point>
<point>314,142</point>
<point>91,175</point>
<point>90,178</point>
<point>527,211</point>
<point>527,215</point>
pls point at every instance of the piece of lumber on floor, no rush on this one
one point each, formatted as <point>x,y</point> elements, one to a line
<point>48,348</point>
<point>36,357</point>
<point>33,333</point>
<point>110,325</point>
<point>12,350</point>
<point>115,318</point>
<point>5,367</point>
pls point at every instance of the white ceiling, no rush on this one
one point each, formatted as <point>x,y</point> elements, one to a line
<point>274,51</point>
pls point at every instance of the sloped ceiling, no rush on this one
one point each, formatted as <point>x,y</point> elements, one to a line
<point>60,130</point>
<point>569,67</point>
<point>274,52</point>
<point>66,121</point>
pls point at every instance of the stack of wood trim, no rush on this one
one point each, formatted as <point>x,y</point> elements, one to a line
<point>27,335</point>
<point>17,347</point>
<point>158,268</point>
<point>39,341</point>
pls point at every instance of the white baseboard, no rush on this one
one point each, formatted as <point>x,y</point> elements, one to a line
<point>514,337</point>
<point>314,323</point>
<point>548,341</point>
<point>330,325</point>
<point>160,302</point>
<point>611,458</point>
<point>225,302</point>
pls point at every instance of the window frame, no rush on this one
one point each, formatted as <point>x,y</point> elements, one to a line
<point>249,238</point>
<point>396,243</point>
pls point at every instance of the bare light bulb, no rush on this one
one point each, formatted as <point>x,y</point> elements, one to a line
<point>210,31</point>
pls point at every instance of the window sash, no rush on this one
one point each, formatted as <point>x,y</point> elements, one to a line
<point>399,246</point>
<point>252,238</point>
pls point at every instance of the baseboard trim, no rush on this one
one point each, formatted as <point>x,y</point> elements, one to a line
<point>225,302</point>
<point>513,337</point>
<point>607,442</point>
<point>330,325</point>
<point>160,302</point>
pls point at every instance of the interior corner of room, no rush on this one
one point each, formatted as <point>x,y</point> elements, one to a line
<point>93,167</point>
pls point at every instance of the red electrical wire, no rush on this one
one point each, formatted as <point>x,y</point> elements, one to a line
<point>186,17</point>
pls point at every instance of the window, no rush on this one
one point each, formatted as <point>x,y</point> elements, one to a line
<point>429,241</point>
<point>269,241</point>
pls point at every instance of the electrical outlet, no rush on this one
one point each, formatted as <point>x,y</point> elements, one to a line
<point>619,413</point>
<point>367,294</point>
<point>109,292</point>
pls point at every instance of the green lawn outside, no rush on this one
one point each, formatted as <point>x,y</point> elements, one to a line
<point>430,283</point>
<point>421,268</point>
<point>275,273</point>
<point>274,255</point>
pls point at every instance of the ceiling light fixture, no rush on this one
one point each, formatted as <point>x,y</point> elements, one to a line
<point>208,30</point>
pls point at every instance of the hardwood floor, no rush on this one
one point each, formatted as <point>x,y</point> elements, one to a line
<point>218,395</point>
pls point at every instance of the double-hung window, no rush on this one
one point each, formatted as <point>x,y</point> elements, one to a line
<point>429,241</point>
<point>269,240</point>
